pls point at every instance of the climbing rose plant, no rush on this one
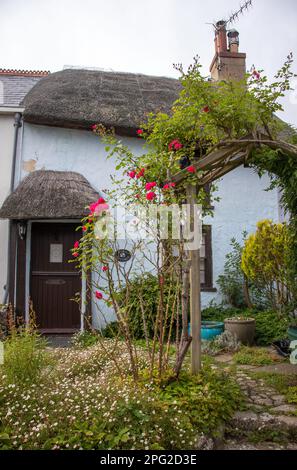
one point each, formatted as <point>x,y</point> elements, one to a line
<point>205,115</point>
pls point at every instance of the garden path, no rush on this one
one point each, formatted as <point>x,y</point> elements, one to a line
<point>267,420</point>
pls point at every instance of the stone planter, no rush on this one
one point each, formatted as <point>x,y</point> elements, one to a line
<point>242,328</point>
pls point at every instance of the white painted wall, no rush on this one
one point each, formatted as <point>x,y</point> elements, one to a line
<point>243,203</point>
<point>51,148</point>
<point>244,200</point>
<point>6,149</point>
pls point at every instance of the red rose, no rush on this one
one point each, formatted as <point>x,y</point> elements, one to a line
<point>168,186</point>
<point>132,174</point>
<point>84,228</point>
<point>140,174</point>
<point>93,127</point>
<point>175,145</point>
<point>150,186</point>
<point>151,196</point>
<point>98,295</point>
<point>76,244</point>
<point>140,132</point>
<point>191,169</point>
<point>104,268</point>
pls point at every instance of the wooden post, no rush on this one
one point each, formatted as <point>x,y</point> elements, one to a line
<point>195,292</point>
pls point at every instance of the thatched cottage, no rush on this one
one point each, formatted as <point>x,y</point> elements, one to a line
<point>61,167</point>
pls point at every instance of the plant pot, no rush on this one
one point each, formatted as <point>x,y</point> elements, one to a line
<point>292,333</point>
<point>242,328</point>
<point>210,329</point>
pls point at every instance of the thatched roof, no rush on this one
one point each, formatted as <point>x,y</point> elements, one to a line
<point>49,194</point>
<point>80,98</point>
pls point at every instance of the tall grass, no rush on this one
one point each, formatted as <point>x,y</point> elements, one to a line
<point>25,355</point>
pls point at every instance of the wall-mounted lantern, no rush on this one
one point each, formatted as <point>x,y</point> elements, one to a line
<point>22,229</point>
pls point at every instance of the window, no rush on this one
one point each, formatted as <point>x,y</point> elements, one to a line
<point>206,260</point>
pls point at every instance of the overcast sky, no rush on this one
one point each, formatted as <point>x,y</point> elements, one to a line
<point>144,36</point>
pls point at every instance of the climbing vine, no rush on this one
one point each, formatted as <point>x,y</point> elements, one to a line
<point>205,118</point>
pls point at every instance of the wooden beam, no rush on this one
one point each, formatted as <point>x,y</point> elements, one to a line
<point>216,157</point>
<point>217,173</point>
<point>195,292</point>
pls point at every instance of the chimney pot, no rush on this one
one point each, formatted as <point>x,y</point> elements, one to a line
<point>228,62</point>
<point>221,37</point>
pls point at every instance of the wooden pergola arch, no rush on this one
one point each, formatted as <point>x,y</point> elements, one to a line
<point>223,158</point>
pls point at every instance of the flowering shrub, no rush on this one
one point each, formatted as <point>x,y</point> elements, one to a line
<point>203,118</point>
<point>265,262</point>
<point>84,404</point>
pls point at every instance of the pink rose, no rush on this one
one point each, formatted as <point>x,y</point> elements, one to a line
<point>101,208</point>
<point>76,244</point>
<point>132,174</point>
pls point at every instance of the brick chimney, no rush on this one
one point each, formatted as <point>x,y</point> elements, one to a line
<point>228,63</point>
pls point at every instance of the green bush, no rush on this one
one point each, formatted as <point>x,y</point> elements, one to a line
<point>209,398</point>
<point>232,280</point>
<point>85,339</point>
<point>219,313</point>
<point>148,286</point>
<point>270,326</point>
<point>253,357</point>
<point>25,357</point>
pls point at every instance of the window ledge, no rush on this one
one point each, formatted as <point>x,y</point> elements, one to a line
<point>209,289</point>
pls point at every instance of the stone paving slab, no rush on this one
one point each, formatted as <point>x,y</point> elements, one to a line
<point>281,368</point>
<point>58,341</point>
<point>241,445</point>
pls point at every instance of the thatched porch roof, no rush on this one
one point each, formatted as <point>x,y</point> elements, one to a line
<point>80,98</point>
<point>49,195</point>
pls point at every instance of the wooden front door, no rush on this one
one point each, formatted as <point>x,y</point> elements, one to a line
<point>54,281</point>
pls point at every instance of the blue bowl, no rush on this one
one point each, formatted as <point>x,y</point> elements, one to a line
<point>210,329</point>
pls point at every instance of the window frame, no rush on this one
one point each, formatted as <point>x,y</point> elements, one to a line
<point>207,286</point>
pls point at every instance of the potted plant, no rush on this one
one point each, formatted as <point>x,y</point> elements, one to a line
<point>292,330</point>
<point>242,328</point>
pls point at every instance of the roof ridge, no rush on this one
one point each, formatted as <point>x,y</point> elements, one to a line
<point>25,73</point>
